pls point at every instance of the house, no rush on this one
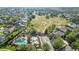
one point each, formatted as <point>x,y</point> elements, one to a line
<point>1,20</point>
<point>62,29</point>
<point>58,33</point>
<point>35,41</point>
<point>2,37</point>
<point>24,19</point>
<point>20,22</point>
<point>9,28</point>
<point>72,25</point>
<point>1,28</point>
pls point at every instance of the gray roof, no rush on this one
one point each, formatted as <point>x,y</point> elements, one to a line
<point>62,29</point>
<point>1,20</point>
<point>72,25</point>
<point>58,33</point>
<point>2,37</point>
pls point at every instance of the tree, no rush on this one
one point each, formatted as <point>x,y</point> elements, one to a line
<point>63,16</point>
<point>58,43</point>
<point>47,17</point>
<point>10,47</point>
<point>39,13</point>
<point>67,32</point>
<point>51,15</point>
<point>71,37</point>
<point>29,39</point>
<point>46,47</point>
<point>29,47</point>
<point>14,18</point>
<point>33,16</point>
<point>75,45</point>
<point>20,48</point>
<point>51,28</point>
<point>28,23</point>
<point>33,31</point>
<point>24,48</point>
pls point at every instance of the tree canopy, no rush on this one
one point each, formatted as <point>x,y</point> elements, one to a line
<point>46,47</point>
<point>24,48</point>
<point>71,37</point>
<point>58,43</point>
<point>75,45</point>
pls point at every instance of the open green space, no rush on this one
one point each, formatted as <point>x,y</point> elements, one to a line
<point>40,23</point>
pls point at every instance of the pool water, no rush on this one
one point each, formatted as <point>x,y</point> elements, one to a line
<point>21,42</point>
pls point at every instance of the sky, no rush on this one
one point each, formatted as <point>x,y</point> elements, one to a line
<point>39,3</point>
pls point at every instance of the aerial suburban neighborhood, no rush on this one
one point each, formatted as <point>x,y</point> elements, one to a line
<point>39,29</point>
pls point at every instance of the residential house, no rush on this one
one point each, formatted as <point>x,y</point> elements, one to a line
<point>2,37</point>
<point>9,28</point>
<point>60,31</point>
<point>71,26</point>
<point>35,41</point>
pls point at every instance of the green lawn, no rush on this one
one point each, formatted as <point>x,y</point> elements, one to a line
<point>40,22</point>
<point>1,32</point>
<point>4,50</point>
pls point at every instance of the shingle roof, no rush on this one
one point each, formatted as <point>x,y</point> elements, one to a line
<point>2,37</point>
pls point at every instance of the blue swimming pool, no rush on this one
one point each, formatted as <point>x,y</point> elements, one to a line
<point>21,41</point>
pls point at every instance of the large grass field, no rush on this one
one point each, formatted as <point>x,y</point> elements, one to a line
<point>40,22</point>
